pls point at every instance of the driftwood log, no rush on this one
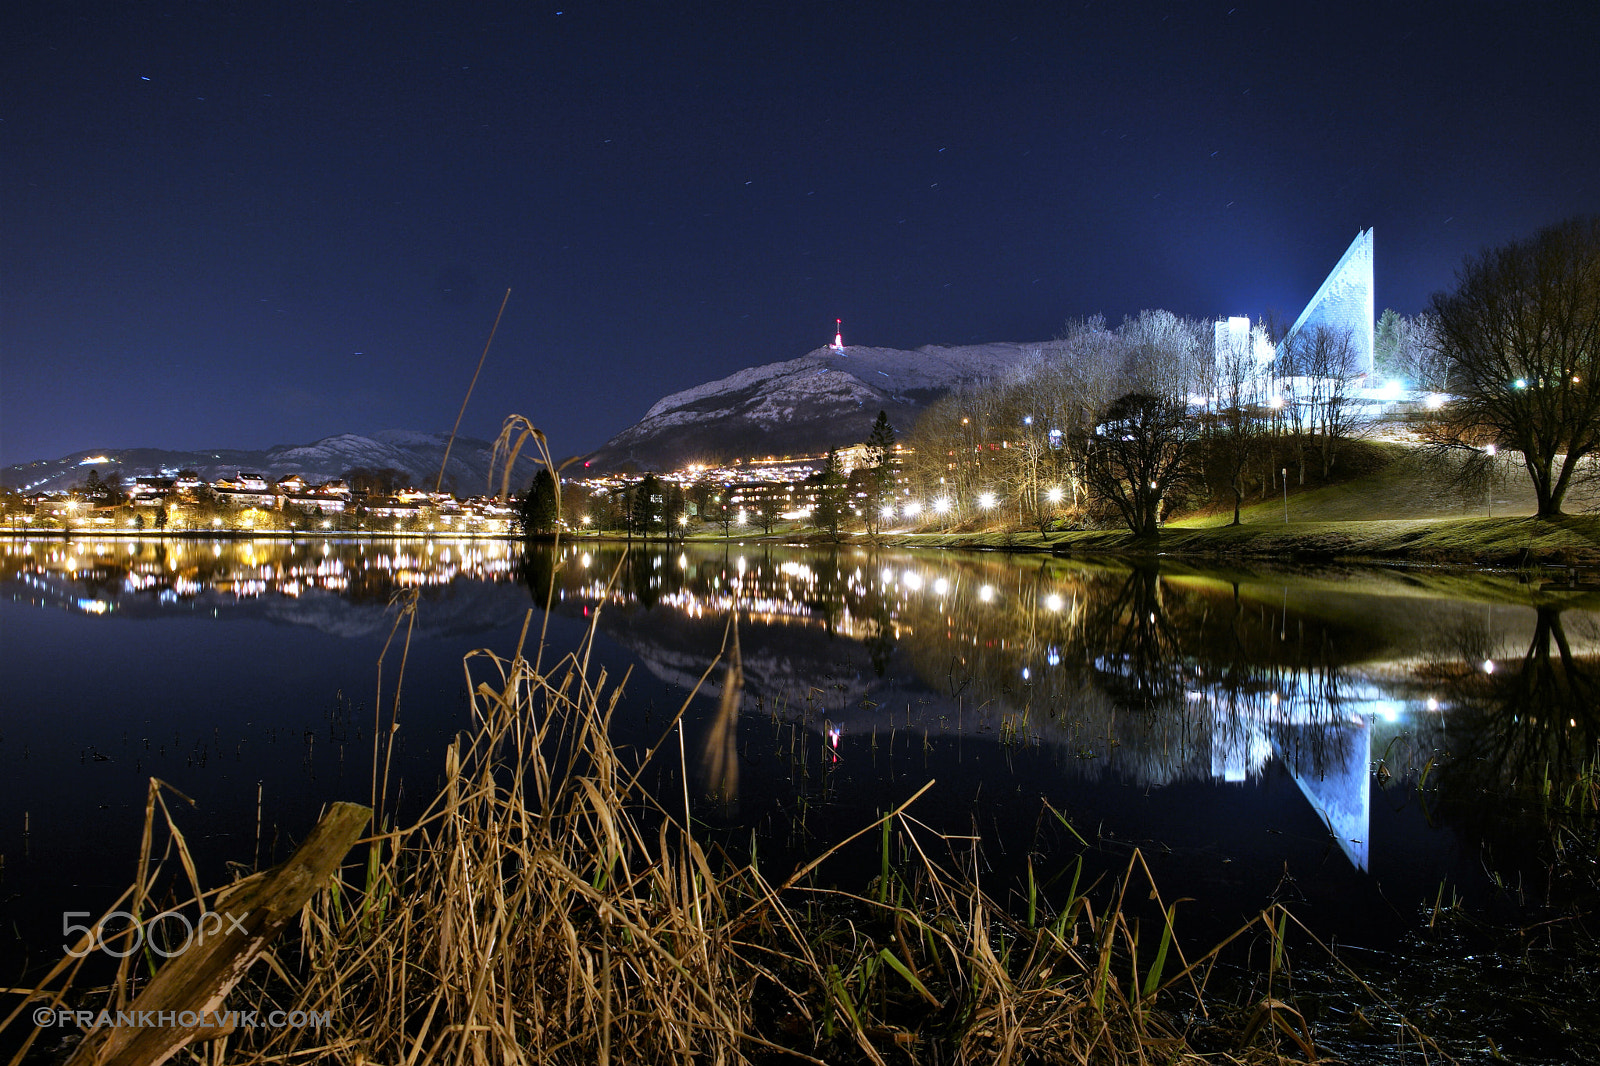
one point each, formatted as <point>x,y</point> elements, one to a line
<point>200,979</point>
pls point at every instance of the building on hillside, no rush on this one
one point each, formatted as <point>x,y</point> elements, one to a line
<point>1237,339</point>
<point>151,489</point>
<point>245,490</point>
<point>1344,303</point>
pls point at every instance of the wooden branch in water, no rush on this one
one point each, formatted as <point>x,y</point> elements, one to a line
<point>198,981</point>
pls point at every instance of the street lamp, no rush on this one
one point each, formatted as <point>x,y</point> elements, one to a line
<point>1488,489</point>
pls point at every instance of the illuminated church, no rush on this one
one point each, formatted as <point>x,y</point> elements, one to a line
<point>1344,303</point>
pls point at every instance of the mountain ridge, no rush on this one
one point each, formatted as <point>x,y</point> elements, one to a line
<point>416,454</point>
<point>826,398</point>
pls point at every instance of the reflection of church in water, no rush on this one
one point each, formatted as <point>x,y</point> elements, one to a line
<point>1322,737</point>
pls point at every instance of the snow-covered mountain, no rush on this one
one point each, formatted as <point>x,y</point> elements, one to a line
<point>826,398</point>
<point>416,454</point>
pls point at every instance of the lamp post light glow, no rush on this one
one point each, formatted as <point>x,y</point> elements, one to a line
<point>912,508</point>
<point>986,500</point>
<point>941,505</point>
<point>1054,495</point>
<point>1488,490</point>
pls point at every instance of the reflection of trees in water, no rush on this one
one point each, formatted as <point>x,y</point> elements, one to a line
<point>1130,643</point>
<point>1519,739</point>
<point>1533,715</point>
<point>1149,679</point>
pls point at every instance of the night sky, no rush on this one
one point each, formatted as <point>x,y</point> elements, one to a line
<point>241,224</point>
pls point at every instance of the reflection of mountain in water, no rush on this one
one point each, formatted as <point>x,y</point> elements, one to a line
<point>1134,675</point>
<point>1152,676</point>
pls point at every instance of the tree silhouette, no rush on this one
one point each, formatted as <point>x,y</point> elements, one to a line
<point>1520,335</point>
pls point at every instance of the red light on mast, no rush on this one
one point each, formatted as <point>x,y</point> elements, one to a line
<point>838,335</point>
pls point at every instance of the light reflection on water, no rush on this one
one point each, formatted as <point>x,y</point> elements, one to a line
<point>1112,676</point>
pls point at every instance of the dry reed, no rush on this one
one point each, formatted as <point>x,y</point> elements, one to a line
<point>548,908</point>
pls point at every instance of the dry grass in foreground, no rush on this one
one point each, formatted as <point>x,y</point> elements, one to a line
<point>547,908</point>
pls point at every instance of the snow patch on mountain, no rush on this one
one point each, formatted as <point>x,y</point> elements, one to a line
<point>826,398</point>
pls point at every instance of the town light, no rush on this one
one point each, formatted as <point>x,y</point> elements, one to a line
<point>912,507</point>
<point>1520,383</point>
<point>887,511</point>
<point>1054,495</point>
<point>1053,601</point>
<point>941,505</point>
<point>683,520</point>
<point>1433,402</point>
<point>986,500</point>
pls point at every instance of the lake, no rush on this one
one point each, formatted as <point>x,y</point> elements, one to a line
<point>1338,739</point>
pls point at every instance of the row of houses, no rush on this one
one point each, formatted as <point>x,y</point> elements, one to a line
<point>246,491</point>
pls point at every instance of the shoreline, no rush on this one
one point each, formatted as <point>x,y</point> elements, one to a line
<point>1570,541</point>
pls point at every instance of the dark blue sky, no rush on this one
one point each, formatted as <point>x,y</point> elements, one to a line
<point>245,224</point>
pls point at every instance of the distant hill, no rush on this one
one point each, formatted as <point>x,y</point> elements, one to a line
<point>826,398</point>
<point>416,454</point>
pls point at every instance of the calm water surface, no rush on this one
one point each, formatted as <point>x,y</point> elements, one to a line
<point>1332,739</point>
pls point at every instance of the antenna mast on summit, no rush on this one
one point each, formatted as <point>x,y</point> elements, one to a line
<point>838,334</point>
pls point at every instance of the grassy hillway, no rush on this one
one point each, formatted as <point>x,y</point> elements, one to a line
<point>1395,512</point>
<point>1572,541</point>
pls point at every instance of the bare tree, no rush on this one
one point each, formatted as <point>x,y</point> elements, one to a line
<point>1417,355</point>
<point>1520,336</point>
<point>1140,451</point>
<point>1237,426</point>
